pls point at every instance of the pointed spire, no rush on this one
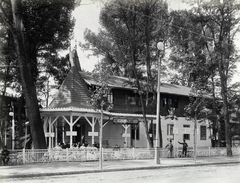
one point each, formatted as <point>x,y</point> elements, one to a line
<point>76,60</point>
<point>73,58</point>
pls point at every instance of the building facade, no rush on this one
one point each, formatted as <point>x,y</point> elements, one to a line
<point>70,118</point>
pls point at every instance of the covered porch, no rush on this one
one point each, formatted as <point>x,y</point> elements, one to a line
<point>77,126</point>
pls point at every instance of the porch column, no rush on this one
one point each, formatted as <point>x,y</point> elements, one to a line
<point>125,134</point>
<point>63,134</point>
<point>71,129</point>
<point>49,130</point>
<point>45,124</point>
<point>56,135</point>
<point>93,126</point>
<point>52,135</point>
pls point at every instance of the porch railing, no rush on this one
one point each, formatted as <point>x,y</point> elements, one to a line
<point>25,156</point>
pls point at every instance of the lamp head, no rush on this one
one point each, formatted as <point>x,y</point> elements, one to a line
<point>160,45</point>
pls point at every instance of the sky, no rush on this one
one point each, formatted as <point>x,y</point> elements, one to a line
<point>87,16</point>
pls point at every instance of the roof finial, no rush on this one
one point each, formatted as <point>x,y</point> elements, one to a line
<point>71,56</point>
<point>75,44</point>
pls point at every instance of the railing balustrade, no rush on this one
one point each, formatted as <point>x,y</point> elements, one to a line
<point>109,154</point>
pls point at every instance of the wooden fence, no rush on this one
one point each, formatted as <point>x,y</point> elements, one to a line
<point>25,156</point>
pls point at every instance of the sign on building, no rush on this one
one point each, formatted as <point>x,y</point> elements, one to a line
<point>92,134</point>
<point>48,134</point>
<point>126,135</point>
<point>71,133</point>
<point>125,121</point>
<point>184,131</point>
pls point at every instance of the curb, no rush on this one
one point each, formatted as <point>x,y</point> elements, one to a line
<point>112,170</point>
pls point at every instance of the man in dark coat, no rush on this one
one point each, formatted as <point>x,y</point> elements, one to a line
<point>184,149</point>
<point>5,155</point>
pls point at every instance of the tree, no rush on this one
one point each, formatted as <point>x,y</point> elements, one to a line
<point>221,26</point>
<point>99,100</point>
<point>210,42</point>
<point>127,40</point>
<point>37,28</point>
<point>197,112</point>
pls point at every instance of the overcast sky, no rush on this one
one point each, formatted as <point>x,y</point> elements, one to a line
<point>87,16</point>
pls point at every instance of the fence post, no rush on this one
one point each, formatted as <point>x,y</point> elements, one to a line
<point>102,154</point>
<point>133,152</point>
<point>49,155</point>
<point>67,153</point>
<point>23,155</point>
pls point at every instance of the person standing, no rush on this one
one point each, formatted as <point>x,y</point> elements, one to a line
<point>170,148</point>
<point>184,148</point>
<point>5,155</point>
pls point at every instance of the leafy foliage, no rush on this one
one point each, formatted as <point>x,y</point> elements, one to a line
<point>99,94</point>
<point>37,28</point>
<point>48,29</point>
<point>127,42</point>
<point>207,53</point>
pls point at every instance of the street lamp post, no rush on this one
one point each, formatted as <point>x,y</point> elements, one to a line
<point>157,152</point>
<point>100,138</point>
<point>13,125</point>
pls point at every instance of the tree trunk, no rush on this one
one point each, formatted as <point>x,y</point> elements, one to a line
<point>3,121</point>
<point>226,119</point>
<point>19,119</point>
<point>195,140</point>
<point>143,104</point>
<point>27,82</point>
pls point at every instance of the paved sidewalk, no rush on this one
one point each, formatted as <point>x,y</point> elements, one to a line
<point>64,168</point>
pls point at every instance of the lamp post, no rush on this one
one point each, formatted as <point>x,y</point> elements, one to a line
<point>100,138</point>
<point>11,113</point>
<point>157,152</point>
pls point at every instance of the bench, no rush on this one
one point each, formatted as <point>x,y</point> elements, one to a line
<point>13,158</point>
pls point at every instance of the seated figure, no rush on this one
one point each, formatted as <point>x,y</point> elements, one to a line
<point>5,155</point>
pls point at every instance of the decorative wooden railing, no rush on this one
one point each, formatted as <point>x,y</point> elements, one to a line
<point>25,156</point>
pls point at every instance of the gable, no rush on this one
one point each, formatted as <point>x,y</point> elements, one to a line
<point>72,93</point>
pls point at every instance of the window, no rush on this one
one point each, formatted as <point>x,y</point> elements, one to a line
<point>170,102</point>
<point>175,103</point>
<point>203,133</point>
<point>154,130</point>
<point>169,129</point>
<point>186,136</point>
<point>135,129</point>
<point>164,102</point>
<point>110,97</point>
<point>131,100</point>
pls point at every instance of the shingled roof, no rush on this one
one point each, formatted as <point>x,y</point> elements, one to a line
<point>123,82</point>
<point>73,92</point>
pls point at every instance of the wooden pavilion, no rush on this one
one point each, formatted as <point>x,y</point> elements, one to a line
<point>70,118</point>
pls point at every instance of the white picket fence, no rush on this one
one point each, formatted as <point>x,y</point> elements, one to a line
<point>25,156</point>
